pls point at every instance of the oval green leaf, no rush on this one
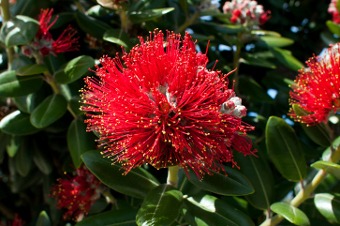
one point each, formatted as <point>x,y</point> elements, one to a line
<point>121,217</point>
<point>17,123</point>
<point>231,183</point>
<point>74,69</point>
<point>214,211</point>
<point>91,25</point>
<point>79,141</point>
<point>333,27</point>
<point>32,69</point>
<point>23,31</point>
<point>43,219</point>
<point>290,213</point>
<point>329,167</point>
<point>49,111</point>
<point>148,14</point>
<point>284,149</point>
<point>317,133</point>
<point>23,159</point>
<point>260,176</point>
<point>160,207</point>
<point>273,41</point>
<point>286,58</point>
<point>137,183</point>
<point>14,86</point>
<point>117,36</point>
<point>41,161</point>
<point>329,206</point>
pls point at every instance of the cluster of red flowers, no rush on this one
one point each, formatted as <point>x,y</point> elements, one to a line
<point>246,12</point>
<point>333,10</point>
<point>44,43</point>
<point>317,87</point>
<point>160,105</point>
<point>77,194</point>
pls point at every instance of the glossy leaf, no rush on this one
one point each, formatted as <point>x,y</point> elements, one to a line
<point>78,141</point>
<point>49,111</point>
<point>137,183</point>
<point>317,133</point>
<point>329,206</point>
<point>41,161</point>
<point>160,207</point>
<point>333,27</point>
<point>329,167</point>
<point>149,14</point>
<point>117,36</point>
<point>290,213</point>
<point>32,69</point>
<point>274,41</point>
<point>91,25</point>
<point>284,149</point>
<point>14,86</point>
<point>23,159</point>
<point>287,59</point>
<point>43,219</point>
<point>17,123</point>
<point>120,217</point>
<point>230,183</point>
<point>75,69</point>
<point>257,60</point>
<point>260,176</point>
<point>23,31</point>
<point>213,211</point>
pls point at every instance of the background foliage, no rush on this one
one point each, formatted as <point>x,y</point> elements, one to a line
<point>42,134</point>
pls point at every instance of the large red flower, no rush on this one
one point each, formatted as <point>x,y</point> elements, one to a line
<point>77,194</point>
<point>160,105</point>
<point>317,87</point>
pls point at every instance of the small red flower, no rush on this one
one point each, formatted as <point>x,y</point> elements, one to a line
<point>317,87</point>
<point>44,42</point>
<point>160,105</point>
<point>333,10</point>
<point>77,194</point>
<point>246,12</point>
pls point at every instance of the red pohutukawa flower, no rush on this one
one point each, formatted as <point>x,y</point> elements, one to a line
<point>77,194</point>
<point>317,87</point>
<point>332,9</point>
<point>160,105</point>
<point>44,43</point>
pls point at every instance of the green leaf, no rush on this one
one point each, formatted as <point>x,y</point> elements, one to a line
<point>43,219</point>
<point>23,159</point>
<point>117,36</point>
<point>287,59</point>
<point>17,123</point>
<point>213,211</point>
<point>137,183</point>
<point>253,90</point>
<point>318,133</point>
<point>329,206</point>
<point>120,217</point>
<point>329,167</point>
<point>22,32</point>
<point>274,41</point>
<point>290,213</point>
<point>41,161</point>
<point>91,25</point>
<point>14,86</point>
<point>79,141</point>
<point>284,149</point>
<point>257,60</point>
<point>74,69</point>
<point>160,207</point>
<point>333,27</point>
<point>230,183</point>
<point>260,176</point>
<point>148,14</point>
<point>32,69</point>
<point>49,111</point>
<point>13,146</point>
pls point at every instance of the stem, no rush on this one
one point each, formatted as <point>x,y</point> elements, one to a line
<point>124,20</point>
<point>306,192</point>
<point>173,176</point>
<point>236,63</point>
<point>6,16</point>
<point>188,22</point>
